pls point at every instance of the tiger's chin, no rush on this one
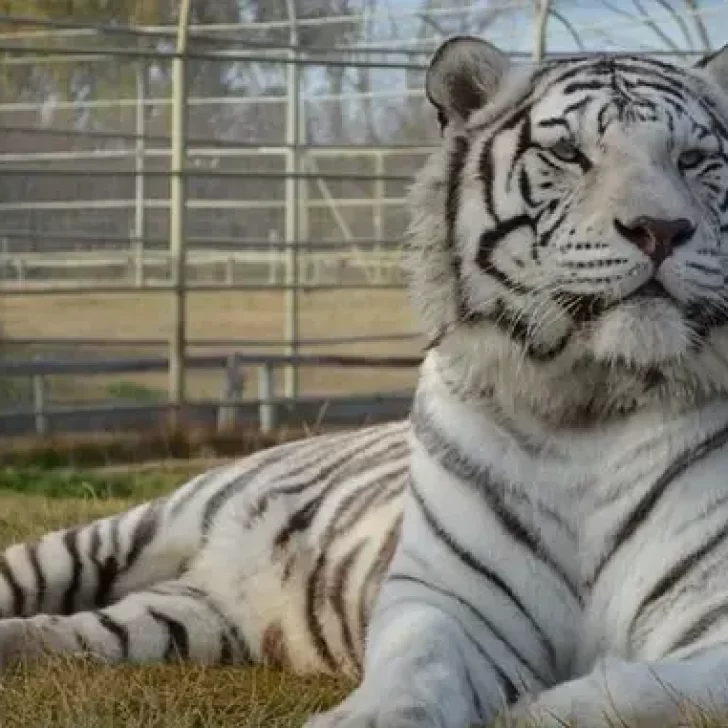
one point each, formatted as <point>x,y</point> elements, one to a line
<point>641,333</point>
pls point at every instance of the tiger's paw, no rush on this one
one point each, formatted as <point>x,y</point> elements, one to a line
<point>353,713</point>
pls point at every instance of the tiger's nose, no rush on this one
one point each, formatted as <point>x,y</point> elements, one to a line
<point>654,237</point>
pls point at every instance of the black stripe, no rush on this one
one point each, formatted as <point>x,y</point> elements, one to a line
<point>94,547</point>
<point>298,521</point>
<point>719,126</point>
<point>178,641</point>
<point>491,238</point>
<point>510,688</point>
<point>106,569</point>
<point>603,121</point>
<point>584,85</point>
<point>193,489</point>
<point>545,159</point>
<point>313,599</point>
<point>144,532</point>
<point>68,600</point>
<point>554,121</point>
<point>676,574</point>
<point>456,163</point>
<point>40,580</point>
<point>114,535</point>
<point>523,144</point>
<point>354,444</point>
<point>117,629</point>
<point>237,485</point>
<point>329,479</point>
<point>488,574</point>
<point>487,177</point>
<point>545,237</point>
<point>454,462</point>
<point>699,267</point>
<point>665,89</point>
<point>723,205</point>
<point>480,712</point>
<point>106,572</point>
<point>338,594</point>
<point>577,105</point>
<point>700,628</point>
<point>228,628</point>
<point>18,607</point>
<point>650,499</point>
<point>516,117</point>
<point>378,568</point>
<point>656,80</point>
<point>474,611</point>
<point>353,509</point>
<point>227,653</point>
<point>524,187</point>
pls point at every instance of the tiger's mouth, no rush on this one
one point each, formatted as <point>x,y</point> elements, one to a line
<point>652,289</point>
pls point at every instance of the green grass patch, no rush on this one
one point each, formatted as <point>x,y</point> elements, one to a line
<point>68,483</point>
<point>135,392</point>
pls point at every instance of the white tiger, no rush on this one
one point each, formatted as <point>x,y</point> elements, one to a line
<point>549,531</point>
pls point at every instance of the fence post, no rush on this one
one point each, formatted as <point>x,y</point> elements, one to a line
<point>140,131</point>
<point>378,217</point>
<point>227,415</point>
<point>542,8</point>
<point>266,397</point>
<point>291,192</point>
<point>39,404</point>
<point>177,217</point>
<point>7,268</point>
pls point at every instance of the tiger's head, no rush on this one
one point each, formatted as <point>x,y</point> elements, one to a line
<point>571,229</point>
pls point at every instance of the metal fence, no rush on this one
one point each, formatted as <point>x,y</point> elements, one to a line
<point>238,183</point>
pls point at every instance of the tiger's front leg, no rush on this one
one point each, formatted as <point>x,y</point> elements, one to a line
<point>417,674</point>
<point>439,655</point>
<point>670,693</point>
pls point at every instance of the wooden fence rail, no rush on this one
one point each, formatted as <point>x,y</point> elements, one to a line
<point>231,407</point>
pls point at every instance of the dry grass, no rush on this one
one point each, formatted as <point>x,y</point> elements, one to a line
<point>81,694</point>
<point>75,694</point>
<point>223,314</point>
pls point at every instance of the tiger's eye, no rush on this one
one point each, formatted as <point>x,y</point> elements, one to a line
<point>691,158</point>
<point>566,151</point>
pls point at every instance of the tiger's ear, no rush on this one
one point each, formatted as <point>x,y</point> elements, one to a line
<point>716,64</point>
<point>464,74</point>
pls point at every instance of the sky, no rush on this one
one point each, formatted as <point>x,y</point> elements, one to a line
<point>601,24</point>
